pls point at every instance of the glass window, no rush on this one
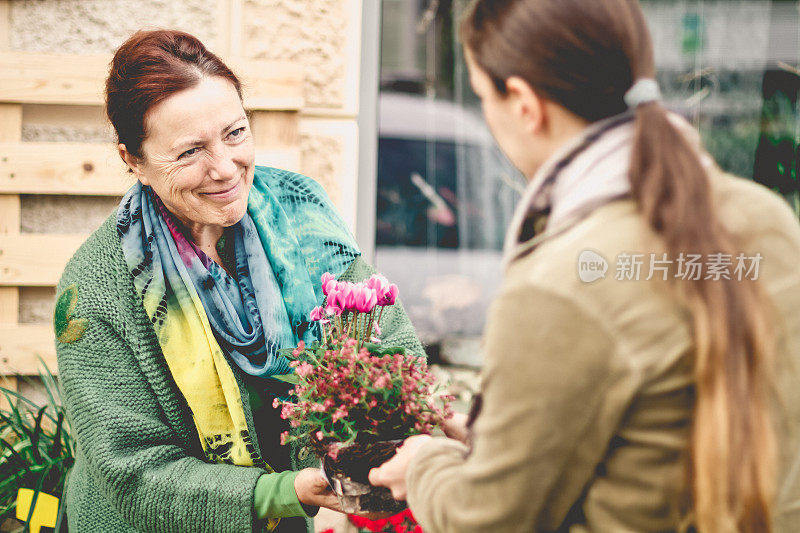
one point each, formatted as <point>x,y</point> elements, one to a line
<point>445,193</point>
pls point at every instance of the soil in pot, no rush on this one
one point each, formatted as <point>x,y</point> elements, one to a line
<point>348,475</point>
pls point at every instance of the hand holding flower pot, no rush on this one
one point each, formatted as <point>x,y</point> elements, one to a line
<point>355,400</point>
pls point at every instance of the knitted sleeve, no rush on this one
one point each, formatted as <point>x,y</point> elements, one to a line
<point>396,327</point>
<point>136,463</point>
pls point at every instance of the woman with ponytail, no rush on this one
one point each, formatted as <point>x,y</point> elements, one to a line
<point>643,358</point>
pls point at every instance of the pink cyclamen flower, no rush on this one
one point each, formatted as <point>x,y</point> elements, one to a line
<point>378,283</point>
<point>350,297</point>
<point>365,299</point>
<point>343,297</point>
<point>332,310</point>
<point>326,277</point>
<point>389,296</point>
<point>330,286</point>
<point>315,314</point>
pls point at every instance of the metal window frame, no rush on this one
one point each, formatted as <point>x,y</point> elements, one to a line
<point>367,121</point>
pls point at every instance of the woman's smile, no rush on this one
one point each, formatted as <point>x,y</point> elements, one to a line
<point>225,195</point>
<point>199,157</point>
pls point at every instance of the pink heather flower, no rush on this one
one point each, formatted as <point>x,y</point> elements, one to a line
<point>320,436</point>
<point>315,314</point>
<point>365,299</point>
<point>340,413</point>
<point>333,451</point>
<point>284,436</point>
<point>301,346</point>
<point>383,382</point>
<point>389,296</point>
<point>276,403</point>
<point>304,370</point>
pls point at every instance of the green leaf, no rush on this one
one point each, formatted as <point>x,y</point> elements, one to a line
<point>55,449</point>
<point>37,432</point>
<point>293,379</point>
<point>378,349</point>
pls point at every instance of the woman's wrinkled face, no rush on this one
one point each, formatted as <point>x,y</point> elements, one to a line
<point>198,155</point>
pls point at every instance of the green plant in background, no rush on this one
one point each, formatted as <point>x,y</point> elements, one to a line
<point>36,448</point>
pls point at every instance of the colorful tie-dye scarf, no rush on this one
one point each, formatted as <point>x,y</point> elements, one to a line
<point>205,319</point>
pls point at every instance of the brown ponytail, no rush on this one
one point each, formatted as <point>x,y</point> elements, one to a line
<point>585,56</point>
<point>732,448</point>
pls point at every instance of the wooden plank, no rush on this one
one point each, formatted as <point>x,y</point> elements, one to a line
<point>21,344</point>
<point>36,78</point>
<point>9,305</point>
<point>9,313</point>
<point>62,168</point>
<point>5,24</point>
<point>88,168</point>
<point>10,212</point>
<point>10,122</point>
<point>35,260</point>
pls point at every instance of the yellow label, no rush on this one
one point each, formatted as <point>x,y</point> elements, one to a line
<point>45,513</point>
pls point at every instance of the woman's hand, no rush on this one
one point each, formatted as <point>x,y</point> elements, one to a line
<point>392,474</point>
<point>312,489</point>
<point>455,427</point>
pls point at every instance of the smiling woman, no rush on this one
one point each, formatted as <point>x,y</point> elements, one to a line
<point>199,158</point>
<point>186,294</point>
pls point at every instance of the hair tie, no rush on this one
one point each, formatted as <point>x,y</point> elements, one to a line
<point>644,91</point>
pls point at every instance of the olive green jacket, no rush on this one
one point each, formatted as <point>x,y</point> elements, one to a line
<point>588,386</point>
<point>139,464</point>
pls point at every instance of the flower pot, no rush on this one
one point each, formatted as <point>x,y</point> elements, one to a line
<point>348,476</point>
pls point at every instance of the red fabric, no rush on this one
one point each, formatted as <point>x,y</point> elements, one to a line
<point>403,522</point>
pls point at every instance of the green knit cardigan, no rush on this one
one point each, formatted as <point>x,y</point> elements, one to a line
<point>139,465</point>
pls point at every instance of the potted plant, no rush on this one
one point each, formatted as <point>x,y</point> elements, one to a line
<point>355,400</point>
<point>36,452</point>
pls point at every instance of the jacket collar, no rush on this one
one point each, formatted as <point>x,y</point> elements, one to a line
<point>588,172</point>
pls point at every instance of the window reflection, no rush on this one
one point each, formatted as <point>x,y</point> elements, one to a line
<point>445,193</point>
